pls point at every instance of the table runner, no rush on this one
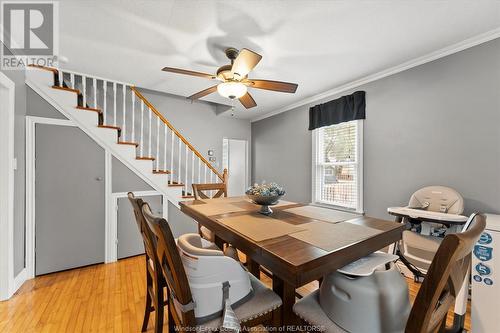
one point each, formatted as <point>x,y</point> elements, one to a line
<point>213,208</point>
<point>259,227</point>
<point>323,214</point>
<point>329,236</point>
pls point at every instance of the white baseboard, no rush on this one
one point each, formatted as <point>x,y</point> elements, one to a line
<point>19,280</point>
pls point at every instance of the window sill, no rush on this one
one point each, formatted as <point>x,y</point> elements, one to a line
<point>335,207</point>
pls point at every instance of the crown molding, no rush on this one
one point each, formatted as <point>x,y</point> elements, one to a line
<point>446,51</point>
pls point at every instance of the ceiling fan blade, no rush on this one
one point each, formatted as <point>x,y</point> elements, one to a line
<point>247,101</point>
<point>245,62</point>
<point>272,85</point>
<point>203,93</point>
<point>188,72</point>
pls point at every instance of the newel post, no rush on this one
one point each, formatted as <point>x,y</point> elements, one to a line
<point>225,176</point>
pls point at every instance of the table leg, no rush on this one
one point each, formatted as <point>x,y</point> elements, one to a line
<point>287,293</point>
<point>219,242</point>
<point>392,247</point>
<point>253,267</point>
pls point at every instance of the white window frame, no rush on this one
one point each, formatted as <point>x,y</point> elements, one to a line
<point>359,151</point>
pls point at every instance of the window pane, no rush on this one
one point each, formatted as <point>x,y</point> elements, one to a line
<point>339,143</point>
<point>339,185</point>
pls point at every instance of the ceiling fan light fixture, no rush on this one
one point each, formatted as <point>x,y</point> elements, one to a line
<point>232,90</point>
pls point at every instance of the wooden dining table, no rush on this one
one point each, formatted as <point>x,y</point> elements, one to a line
<point>297,243</point>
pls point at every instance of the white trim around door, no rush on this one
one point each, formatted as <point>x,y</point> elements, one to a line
<point>111,199</point>
<point>7,167</point>
<point>112,226</point>
<point>110,233</point>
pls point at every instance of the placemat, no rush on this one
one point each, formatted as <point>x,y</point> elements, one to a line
<point>323,214</point>
<point>332,236</point>
<point>224,199</point>
<point>260,227</point>
<point>213,208</point>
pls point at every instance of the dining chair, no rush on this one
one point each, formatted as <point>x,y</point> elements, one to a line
<point>155,283</point>
<point>200,192</point>
<point>263,307</point>
<point>437,294</point>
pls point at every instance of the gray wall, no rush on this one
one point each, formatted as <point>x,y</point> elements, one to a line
<point>199,123</point>
<point>18,78</point>
<point>438,123</point>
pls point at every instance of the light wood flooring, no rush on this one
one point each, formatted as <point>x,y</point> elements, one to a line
<point>99,298</point>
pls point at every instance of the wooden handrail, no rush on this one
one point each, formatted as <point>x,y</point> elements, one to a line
<point>179,135</point>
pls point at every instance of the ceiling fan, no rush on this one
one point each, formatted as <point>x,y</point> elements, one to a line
<point>234,78</point>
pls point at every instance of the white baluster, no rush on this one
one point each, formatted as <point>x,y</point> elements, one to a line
<point>157,143</point>
<point>124,122</point>
<point>114,103</point>
<point>94,83</point>
<point>186,174</point>
<point>179,171</point>
<point>165,146</point>
<point>72,80</point>
<point>84,88</point>
<point>205,174</point>
<point>199,170</point>
<point>149,134</point>
<point>133,116</point>
<point>142,128</point>
<point>192,167</point>
<point>105,84</point>
<point>172,153</point>
<point>61,78</point>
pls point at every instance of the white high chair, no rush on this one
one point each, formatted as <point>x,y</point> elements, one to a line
<point>206,268</point>
<point>432,213</point>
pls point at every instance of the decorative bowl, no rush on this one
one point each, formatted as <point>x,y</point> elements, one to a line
<point>265,195</point>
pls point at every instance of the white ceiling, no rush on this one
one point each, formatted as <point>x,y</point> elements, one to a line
<point>317,44</point>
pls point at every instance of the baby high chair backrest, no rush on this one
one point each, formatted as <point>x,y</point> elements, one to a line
<point>438,199</point>
<point>207,270</point>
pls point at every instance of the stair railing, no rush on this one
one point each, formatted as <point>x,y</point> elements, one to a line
<point>123,107</point>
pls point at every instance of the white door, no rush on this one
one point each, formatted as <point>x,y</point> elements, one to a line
<point>236,162</point>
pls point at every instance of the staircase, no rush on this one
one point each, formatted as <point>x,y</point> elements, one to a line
<point>120,119</point>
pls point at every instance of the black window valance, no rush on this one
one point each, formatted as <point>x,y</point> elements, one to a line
<point>345,108</point>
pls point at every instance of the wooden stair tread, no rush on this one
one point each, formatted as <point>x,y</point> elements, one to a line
<point>88,109</point>
<point>188,197</point>
<point>175,184</point>
<point>54,70</point>
<point>67,89</point>
<point>110,127</point>
<point>128,143</point>
<point>146,158</point>
<point>162,172</point>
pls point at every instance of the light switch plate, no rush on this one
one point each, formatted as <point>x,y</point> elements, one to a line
<point>14,163</point>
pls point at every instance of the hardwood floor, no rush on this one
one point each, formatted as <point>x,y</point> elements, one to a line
<point>99,298</point>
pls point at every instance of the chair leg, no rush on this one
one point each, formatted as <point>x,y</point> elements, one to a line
<point>159,311</point>
<point>147,312</point>
<point>171,323</point>
<point>275,323</point>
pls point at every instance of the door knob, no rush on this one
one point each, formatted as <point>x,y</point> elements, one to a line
<point>99,179</point>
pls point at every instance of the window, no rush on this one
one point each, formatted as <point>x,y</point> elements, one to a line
<point>337,166</point>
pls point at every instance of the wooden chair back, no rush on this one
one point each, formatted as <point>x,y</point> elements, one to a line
<point>199,189</point>
<point>444,280</point>
<point>147,236</point>
<point>155,282</point>
<point>181,305</point>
